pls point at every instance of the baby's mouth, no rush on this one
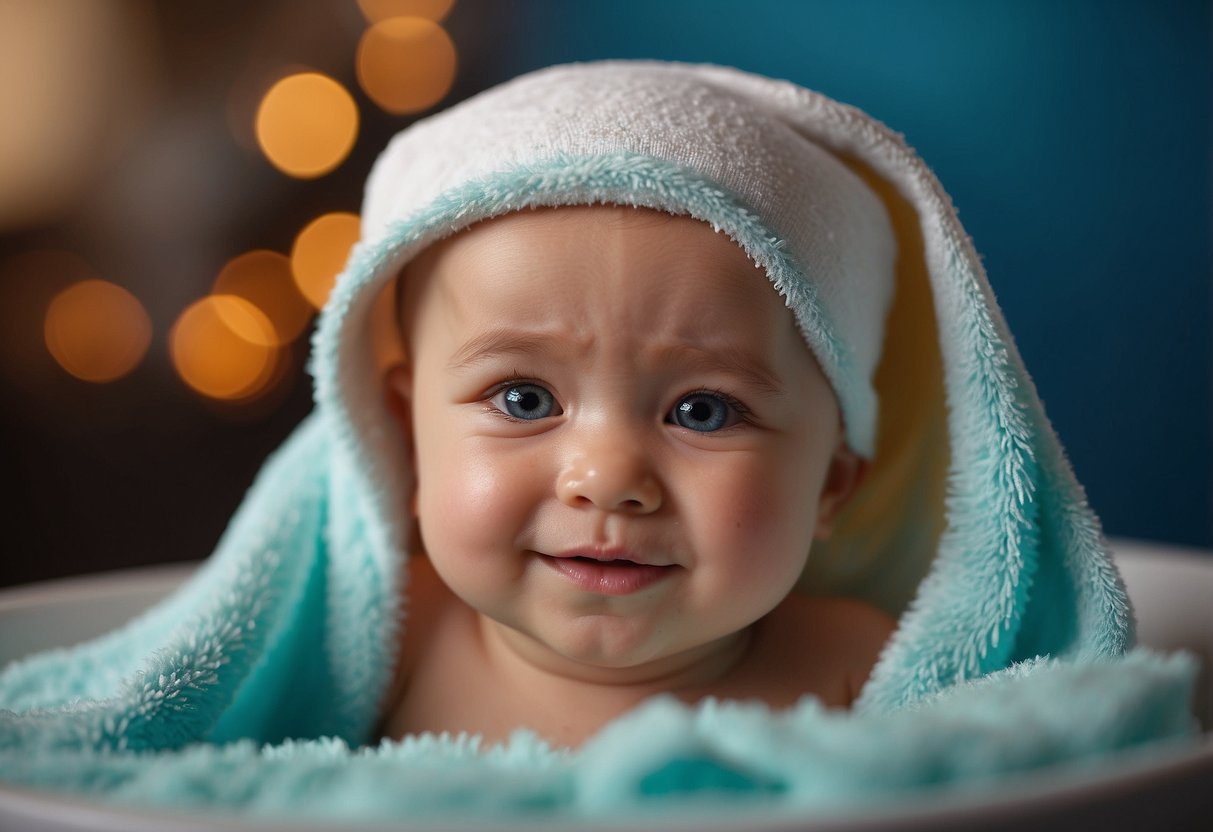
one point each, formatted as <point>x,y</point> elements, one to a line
<point>611,562</point>
<point>608,573</point>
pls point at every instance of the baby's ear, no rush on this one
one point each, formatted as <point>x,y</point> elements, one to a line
<point>397,393</point>
<point>847,470</point>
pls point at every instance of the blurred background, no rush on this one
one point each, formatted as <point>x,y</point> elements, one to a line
<point>180,181</point>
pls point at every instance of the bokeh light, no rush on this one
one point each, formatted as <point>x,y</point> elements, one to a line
<point>319,253</point>
<point>406,64</point>
<point>376,10</point>
<point>97,331</point>
<point>222,347</point>
<point>264,278</point>
<point>29,280</point>
<point>306,124</point>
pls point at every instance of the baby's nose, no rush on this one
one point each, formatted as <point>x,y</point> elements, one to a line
<point>610,479</point>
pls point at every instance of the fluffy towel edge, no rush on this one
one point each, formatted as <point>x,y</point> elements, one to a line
<point>668,759</point>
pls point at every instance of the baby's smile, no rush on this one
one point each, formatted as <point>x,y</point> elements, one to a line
<point>609,571</point>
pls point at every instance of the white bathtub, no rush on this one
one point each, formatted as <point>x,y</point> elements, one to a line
<point>1172,590</point>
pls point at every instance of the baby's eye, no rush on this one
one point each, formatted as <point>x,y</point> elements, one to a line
<point>527,401</point>
<point>705,412</point>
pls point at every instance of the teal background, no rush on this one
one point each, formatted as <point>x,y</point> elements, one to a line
<point>1074,137</point>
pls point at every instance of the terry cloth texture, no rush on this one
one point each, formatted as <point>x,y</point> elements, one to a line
<point>970,526</point>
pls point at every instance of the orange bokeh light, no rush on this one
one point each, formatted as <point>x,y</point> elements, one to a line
<point>406,64</point>
<point>222,347</point>
<point>97,331</point>
<point>377,10</point>
<point>319,253</point>
<point>306,124</point>
<point>264,278</point>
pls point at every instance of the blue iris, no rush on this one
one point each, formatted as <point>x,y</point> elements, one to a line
<point>703,412</point>
<point>529,401</point>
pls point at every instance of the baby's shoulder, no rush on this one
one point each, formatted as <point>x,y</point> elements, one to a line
<point>845,636</point>
<point>852,618</point>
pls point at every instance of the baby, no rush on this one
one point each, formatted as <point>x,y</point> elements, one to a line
<point>624,450</point>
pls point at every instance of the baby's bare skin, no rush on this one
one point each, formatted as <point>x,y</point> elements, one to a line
<point>451,679</point>
<point>624,451</point>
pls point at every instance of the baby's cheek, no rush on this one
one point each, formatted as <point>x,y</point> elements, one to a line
<point>466,501</point>
<point>767,526</point>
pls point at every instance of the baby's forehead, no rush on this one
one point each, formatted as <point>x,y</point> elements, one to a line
<point>610,251</point>
<point>646,282</point>
<point>609,214</point>
<point>574,221</point>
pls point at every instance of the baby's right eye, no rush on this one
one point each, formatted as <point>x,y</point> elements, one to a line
<point>526,401</point>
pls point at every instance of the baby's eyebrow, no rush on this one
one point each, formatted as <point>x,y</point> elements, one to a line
<point>498,342</point>
<point>730,361</point>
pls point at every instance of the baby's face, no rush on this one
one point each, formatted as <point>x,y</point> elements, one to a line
<point>623,447</point>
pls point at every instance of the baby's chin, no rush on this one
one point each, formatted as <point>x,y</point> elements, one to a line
<point>612,650</point>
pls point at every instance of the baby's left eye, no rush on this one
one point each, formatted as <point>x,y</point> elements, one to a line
<point>705,412</point>
<point>527,401</point>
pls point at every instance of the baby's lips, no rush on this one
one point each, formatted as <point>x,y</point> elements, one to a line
<point>607,572</point>
<point>608,554</point>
